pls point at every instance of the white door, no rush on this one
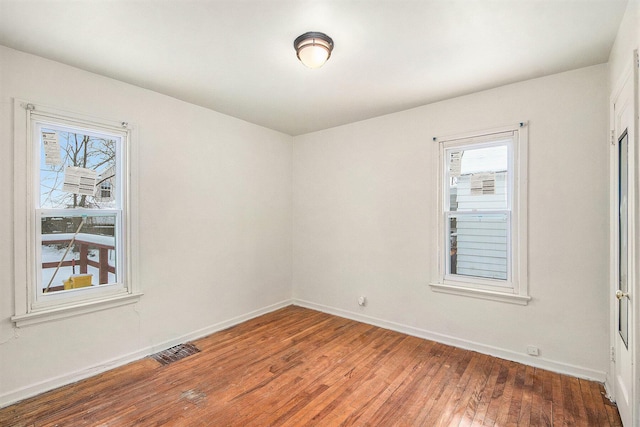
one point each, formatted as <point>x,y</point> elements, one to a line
<point>623,246</point>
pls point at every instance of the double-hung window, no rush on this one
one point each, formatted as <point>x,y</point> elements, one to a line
<point>75,192</point>
<point>482,215</point>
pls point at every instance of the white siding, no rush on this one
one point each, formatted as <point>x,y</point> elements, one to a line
<point>482,239</point>
<point>482,246</point>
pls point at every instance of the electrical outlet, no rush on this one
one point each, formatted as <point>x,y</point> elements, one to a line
<point>362,301</point>
<point>532,350</point>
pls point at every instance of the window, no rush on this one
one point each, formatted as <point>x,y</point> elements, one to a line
<point>482,215</point>
<point>77,245</point>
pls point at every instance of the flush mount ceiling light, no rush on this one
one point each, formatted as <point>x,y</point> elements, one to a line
<point>313,48</point>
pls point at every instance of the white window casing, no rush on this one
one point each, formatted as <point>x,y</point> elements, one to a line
<point>482,215</point>
<point>34,303</point>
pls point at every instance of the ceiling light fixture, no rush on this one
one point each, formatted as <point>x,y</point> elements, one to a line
<point>313,48</point>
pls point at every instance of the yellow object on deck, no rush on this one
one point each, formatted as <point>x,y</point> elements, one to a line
<point>78,281</point>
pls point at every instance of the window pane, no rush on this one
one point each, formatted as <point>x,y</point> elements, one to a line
<point>478,178</point>
<point>623,230</point>
<point>89,261</point>
<point>77,169</point>
<point>478,245</point>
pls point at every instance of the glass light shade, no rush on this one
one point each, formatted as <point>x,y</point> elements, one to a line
<point>313,49</point>
<point>313,55</point>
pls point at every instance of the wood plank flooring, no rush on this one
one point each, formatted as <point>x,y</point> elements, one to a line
<point>299,367</point>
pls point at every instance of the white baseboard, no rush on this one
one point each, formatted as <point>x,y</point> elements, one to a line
<point>52,383</point>
<point>14,396</point>
<point>538,362</point>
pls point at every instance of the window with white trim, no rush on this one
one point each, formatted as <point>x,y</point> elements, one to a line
<point>78,224</point>
<point>482,215</point>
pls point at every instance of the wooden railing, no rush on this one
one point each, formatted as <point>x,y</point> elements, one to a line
<point>103,257</point>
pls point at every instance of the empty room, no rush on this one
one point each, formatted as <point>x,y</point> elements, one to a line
<point>286,212</point>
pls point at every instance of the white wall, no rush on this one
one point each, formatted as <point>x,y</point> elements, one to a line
<point>214,226</point>
<point>365,224</point>
<point>627,39</point>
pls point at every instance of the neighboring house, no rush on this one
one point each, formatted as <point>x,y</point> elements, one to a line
<point>105,186</point>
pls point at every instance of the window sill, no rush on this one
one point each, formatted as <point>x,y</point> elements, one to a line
<point>481,294</point>
<point>58,313</point>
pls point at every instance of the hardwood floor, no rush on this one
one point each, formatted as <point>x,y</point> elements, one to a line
<point>299,367</point>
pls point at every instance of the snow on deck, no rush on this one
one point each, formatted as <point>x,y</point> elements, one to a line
<point>84,237</point>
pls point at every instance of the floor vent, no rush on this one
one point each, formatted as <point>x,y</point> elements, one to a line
<point>176,353</point>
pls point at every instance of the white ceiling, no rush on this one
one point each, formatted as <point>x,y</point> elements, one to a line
<point>237,57</point>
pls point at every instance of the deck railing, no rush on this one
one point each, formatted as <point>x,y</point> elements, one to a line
<point>85,242</point>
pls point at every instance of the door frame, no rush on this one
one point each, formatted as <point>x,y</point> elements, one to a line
<point>630,76</point>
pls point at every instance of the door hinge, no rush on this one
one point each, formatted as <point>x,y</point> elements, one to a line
<point>613,137</point>
<point>613,354</point>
